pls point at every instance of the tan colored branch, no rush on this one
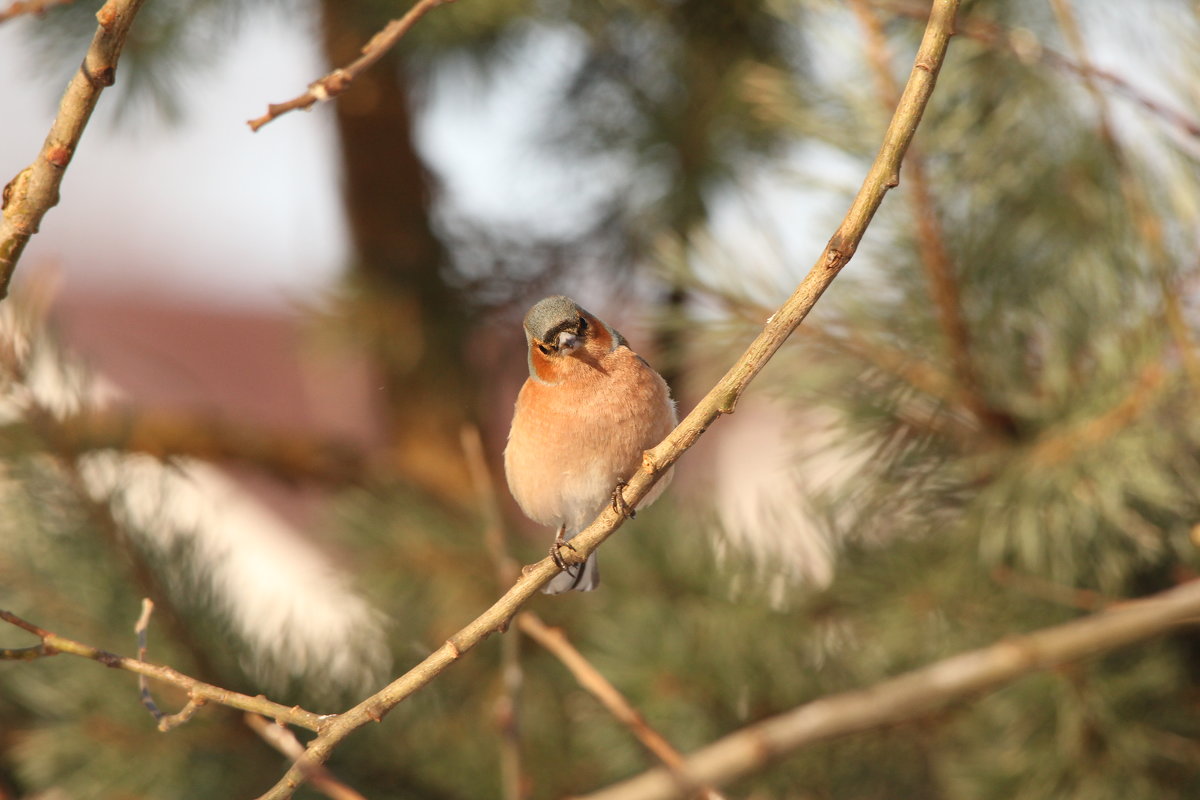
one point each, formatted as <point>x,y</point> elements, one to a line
<point>34,190</point>
<point>29,7</point>
<point>591,679</point>
<point>340,79</point>
<point>52,644</point>
<point>286,742</point>
<point>721,399</point>
<point>916,694</point>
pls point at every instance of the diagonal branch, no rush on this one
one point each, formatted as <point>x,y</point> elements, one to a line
<point>34,190</point>
<point>916,694</point>
<point>198,691</point>
<point>340,79</point>
<point>721,399</point>
<point>591,679</point>
<point>286,742</point>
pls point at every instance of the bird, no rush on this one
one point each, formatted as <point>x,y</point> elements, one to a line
<point>589,409</point>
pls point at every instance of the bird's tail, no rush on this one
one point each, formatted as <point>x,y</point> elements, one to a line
<point>578,578</point>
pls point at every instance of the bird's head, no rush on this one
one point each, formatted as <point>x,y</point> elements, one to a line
<point>558,328</point>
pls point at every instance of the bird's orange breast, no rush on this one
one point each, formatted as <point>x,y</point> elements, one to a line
<point>580,426</point>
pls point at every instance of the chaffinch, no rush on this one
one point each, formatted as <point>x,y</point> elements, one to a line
<point>589,409</point>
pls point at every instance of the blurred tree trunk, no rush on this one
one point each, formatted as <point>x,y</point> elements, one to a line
<point>411,322</point>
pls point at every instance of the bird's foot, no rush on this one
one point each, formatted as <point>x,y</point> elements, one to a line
<point>559,541</point>
<point>618,501</point>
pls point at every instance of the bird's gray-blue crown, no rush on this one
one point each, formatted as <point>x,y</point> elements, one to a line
<point>550,317</point>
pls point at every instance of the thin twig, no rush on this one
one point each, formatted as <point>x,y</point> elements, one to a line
<point>140,629</point>
<point>34,190</point>
<point>721,399</point>
<point>340,79</point>
<point>594,681</point>
<point>34,8</point>
<point>165,722</point>
<point>916,694</point>
<point>24,653</point>
<point>52,643</point>
<point>931,243</point>
<point>286,742</point>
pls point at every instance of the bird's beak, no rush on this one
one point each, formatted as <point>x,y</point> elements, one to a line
<point>566,341</point>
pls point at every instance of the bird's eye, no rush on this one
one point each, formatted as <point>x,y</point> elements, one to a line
<point>545,350</point>
<point>583,324</point>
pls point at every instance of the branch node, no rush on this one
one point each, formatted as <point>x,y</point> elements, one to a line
<point>13,619</point>
<point>107,15</point>
<point>729,402</point>
<point>101,78</point>
<point>835,259</point>
<point>59,156</point>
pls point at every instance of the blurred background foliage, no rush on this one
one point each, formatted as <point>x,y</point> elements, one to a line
<point>1025,447</point>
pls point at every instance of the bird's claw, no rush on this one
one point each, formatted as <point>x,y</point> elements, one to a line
<point>559,541</point>
<point>618,501</point>
<point>559,561</point>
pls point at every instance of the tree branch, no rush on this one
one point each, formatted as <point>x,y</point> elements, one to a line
<point>916,694</point>
<point>340,79</point>
<point>34,190</point>
<point>286,742</point>
<point>721,399</point>
<point>609,696</point>
<point>52,644</point>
